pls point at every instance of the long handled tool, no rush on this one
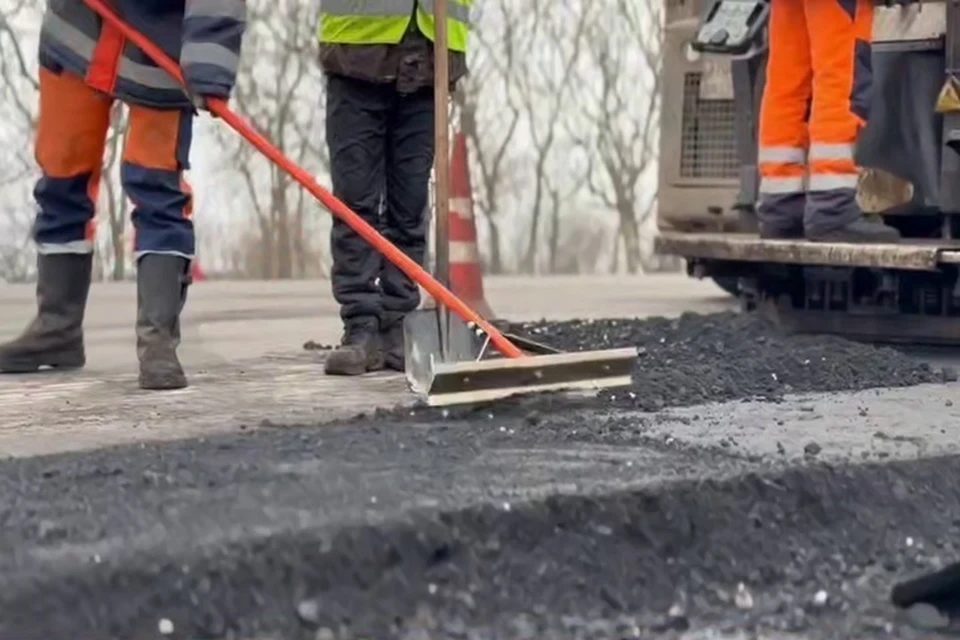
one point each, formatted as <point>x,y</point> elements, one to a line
<point>446,382</point>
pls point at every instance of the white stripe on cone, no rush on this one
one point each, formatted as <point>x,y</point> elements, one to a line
<point>464,252</point>
<point>463,207</point>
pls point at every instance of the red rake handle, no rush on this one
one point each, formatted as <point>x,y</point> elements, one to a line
<point>335,206</point>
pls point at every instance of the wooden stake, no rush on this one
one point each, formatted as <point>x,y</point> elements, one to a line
<point>441,162</point>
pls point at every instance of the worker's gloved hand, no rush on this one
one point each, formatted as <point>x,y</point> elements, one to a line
<point>200,102</point>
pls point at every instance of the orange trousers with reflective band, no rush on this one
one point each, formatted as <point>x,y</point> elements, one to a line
<point>815,101</point>
<point>72,130</point>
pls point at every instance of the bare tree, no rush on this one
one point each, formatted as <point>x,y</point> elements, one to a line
<point>619,102</point>
<point>19,87</point>
<point>558,30</point>
<point>279,91</point>
<point>489,115</point>
<point>114,207</point>
<point>18,91</point>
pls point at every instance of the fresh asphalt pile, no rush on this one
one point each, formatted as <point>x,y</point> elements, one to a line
<point>561,520</point>
<point>695,359</point>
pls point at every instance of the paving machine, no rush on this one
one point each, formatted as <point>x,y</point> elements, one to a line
<point>714,54</point>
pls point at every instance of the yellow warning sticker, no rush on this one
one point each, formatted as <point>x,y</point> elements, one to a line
<point>949,98</point>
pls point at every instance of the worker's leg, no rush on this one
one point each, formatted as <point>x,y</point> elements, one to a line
<point>840,33</point>
<point>154,159</point>
<point>71,130</point>
<point>409,160</point>
<point>356,134</point>
<point>783,126</point>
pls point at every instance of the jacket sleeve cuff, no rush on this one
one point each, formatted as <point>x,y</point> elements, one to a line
<point>209,89</point>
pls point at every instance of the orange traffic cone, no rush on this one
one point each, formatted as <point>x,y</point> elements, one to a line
<point>466,272</point>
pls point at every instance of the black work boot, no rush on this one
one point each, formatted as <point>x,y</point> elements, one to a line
<point>55,336</point>
<point>391,340</point>
<point>358,353</point>
<point>162,283</point>
<point>866,230</point>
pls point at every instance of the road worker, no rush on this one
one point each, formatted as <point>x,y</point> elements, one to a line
<point>816,99</point>
<point>378,59</point>
<point>85,65</point>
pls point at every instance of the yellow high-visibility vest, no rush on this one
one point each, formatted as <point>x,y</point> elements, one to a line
<point>385,21</point>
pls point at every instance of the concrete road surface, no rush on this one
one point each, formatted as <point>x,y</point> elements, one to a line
<point>242,346</point>
<point>231,321</point>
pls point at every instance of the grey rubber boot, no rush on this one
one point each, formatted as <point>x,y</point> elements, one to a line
<point>162,283</point>
<point>55,336</point>
<point>391,341</point>
<point>359,351</point>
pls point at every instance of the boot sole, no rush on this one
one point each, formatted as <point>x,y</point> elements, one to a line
<point>394,364</point>
<point>34,366</point>
<point>854,239</point>
<point>352,371</point>
<point>163,385</point>
<point>162,378</point>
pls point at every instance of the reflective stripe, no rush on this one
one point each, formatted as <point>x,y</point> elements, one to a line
<point>147,76</point>
<point>455,10</point>
<point>232,9</point>
<point>822,151</point>
<point>782,154</point>
<point>464,253</point>
<point>209,53</point>
<point>139,254</point>
<point>462,207</point>
<point>831,181</point>
<point>367,7</point>
<point>794,184</point>
<point>77,247</point>
<point>81,44</point>
<point>55,27</point>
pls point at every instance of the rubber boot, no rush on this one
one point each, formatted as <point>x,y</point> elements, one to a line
<point>162,283</point>
<point>391,340</point>
<point>359,351</point>
<point>55,336</point>
<point>863,230</point>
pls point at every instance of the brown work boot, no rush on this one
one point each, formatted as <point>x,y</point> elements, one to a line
<point>391,340</point>
<point>359,351</point>
<point>162,282</point>
<point>863,230</point>
<point>55,336</point>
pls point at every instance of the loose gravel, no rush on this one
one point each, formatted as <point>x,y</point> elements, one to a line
<point>695,359</point>
<point>461,531</point>
<point>492,523</point>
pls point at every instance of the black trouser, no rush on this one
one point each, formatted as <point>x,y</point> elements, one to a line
<point>381,152</point>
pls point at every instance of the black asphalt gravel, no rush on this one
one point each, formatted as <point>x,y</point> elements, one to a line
<point>462,530</point>
<point>695,359</point>
<point>490,523</point>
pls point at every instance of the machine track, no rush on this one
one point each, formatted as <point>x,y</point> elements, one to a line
<point>907,293</point>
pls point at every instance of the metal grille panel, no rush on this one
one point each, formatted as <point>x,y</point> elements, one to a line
<point>708,145</point>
